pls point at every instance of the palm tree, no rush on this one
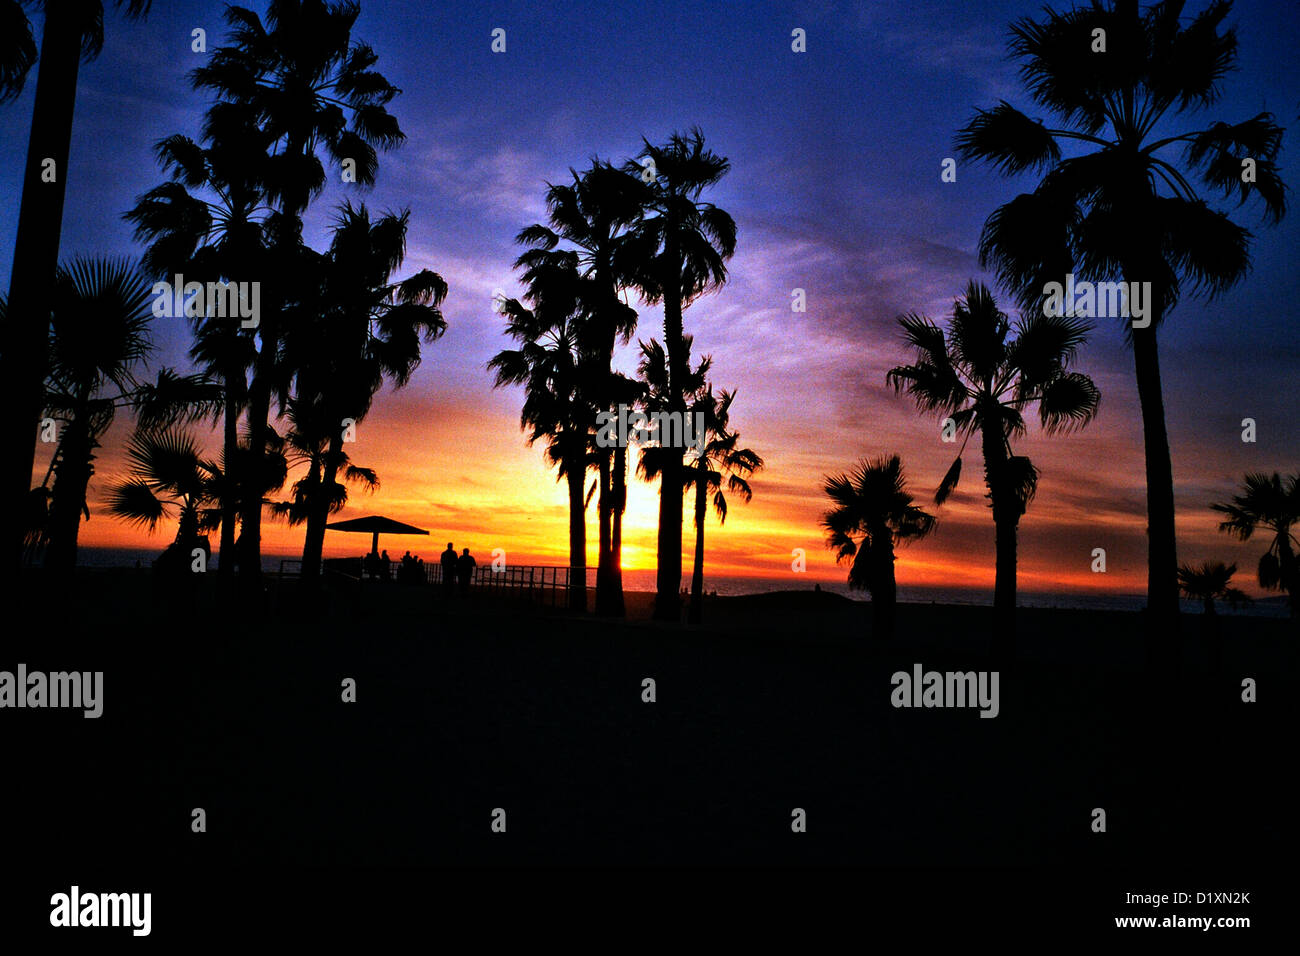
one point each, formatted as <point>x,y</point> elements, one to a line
<point>985,379</point>
<point>73,31</point>
<point>873,513</point>
<point>1271,504</point>
<point>1114,204</point>
<point>590,217</point>
<point>549,364</point>
<point>99,340</point>
<point>169,478</point>
<point>360,330</point>
<point>719,458</point>
<point>208,222</point>
<point>680,247</point>
<point>311,87</point>
<point>656,397</point>
<point>1209,582</point>
<point>309,442</point>
<point>17,48</point>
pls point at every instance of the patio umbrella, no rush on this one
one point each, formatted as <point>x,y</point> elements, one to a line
<point>375,525</point>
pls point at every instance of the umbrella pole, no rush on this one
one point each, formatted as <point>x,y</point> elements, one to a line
<point>374,544</point>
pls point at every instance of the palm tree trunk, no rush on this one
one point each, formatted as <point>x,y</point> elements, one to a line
<point>68,498</point>
<point>1004,587</point>
<point>619,505</point>
<point>318,513</point>
<point>577,536</point>
<point>1005,520</point>
<point>229,500</point>
<point>36,257</point>
<point>1289,566</point>
<point>259,411</point>
<point>604,506</point>
<point>669,574</point>
<point>1162,550</point>
<point>697,572</point>
<point>884,591</point>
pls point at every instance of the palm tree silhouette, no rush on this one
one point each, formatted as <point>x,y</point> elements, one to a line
<point>656,397</point>
<point>590,216</point>
<point>208,222</point>
<point>873,513</point>
<point>1122,207</point>
<point>99,325</point>
<point>72,32</point>
<point>549,364</point>
<point>311,87</point>
<point>309,440</point>
<point>1207,583</point>
<point>680,247</point>
<point>17,49</point>
<point>1270,504</point>
<point>705,470</point>
<point>168,477</point>
<point>357,331</point>
<point>984,379</point>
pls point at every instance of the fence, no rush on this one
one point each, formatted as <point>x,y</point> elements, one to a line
<point>538,582</point>
<point>544,583</point>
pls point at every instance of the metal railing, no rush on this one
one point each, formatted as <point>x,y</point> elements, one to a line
<point>545,583</point>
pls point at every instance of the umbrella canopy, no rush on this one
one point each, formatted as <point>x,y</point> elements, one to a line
<point>375,525</point>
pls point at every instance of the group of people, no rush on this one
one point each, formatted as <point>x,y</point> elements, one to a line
<point>380,566</point>
<point>457,569</point>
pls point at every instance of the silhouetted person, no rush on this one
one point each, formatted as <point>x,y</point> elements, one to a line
<point>448,562</point>
<point>385,565</point>
<point>465,566</point>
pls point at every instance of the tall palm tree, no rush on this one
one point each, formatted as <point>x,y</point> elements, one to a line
<point>985,378</point>
<point>312,88</point>
<point>591,216</point>
<point>98,343</point>
<point>873,513</point>
<point>1270,503</point>
<point>360,330</point>
<point>680,247</point>
<point>167,477</point>
<point>656,397</point>
<point>720,458</point>
<point>557,409</point>
<point>73,31</point>
<point>1113,203</point>
<point>208,222</point>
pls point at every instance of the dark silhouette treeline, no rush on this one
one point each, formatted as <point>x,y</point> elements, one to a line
<point>291,361</point>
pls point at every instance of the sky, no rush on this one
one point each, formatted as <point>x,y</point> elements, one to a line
<point>835,187</point>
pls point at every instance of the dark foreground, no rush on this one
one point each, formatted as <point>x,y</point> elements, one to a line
<point>780,702</point>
